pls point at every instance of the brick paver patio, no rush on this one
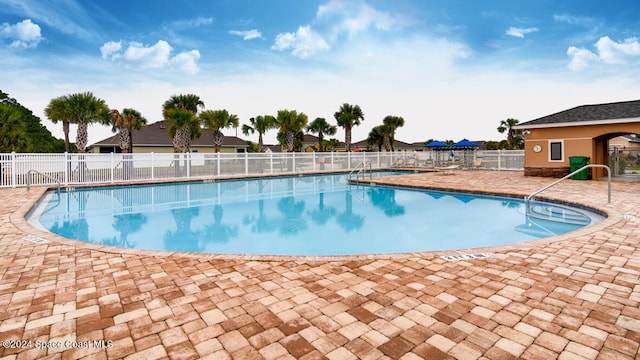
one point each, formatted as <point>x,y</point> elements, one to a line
<point>575,296</point>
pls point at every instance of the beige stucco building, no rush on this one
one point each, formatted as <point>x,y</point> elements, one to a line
<point>581,131</point>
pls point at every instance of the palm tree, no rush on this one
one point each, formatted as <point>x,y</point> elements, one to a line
<point>321,127</point>
<point>124,123</point>
<point>290,124</point>
<point>84,109</point>
<point>393,122</point>
<point>189,127</point>
<point>217,120</point>
<point>260,124</point>
<point>347,117</point>
<point>379,136</point>
<point>513,135</point>
<point>331,144</point>
<point>57,111</point>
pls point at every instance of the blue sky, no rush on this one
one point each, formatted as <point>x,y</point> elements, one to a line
<point>451,69</point>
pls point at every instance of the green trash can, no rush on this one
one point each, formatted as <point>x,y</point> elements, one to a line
<point>576,162</point>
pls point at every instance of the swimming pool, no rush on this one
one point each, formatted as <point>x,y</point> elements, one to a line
<point>298,215</point>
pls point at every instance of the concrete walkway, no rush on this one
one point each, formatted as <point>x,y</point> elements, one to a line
<point>575,296</point>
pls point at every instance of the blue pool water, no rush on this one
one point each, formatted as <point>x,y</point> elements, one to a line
<point>301,215</point>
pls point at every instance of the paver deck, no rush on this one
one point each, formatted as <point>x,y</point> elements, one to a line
<point>575,296</point>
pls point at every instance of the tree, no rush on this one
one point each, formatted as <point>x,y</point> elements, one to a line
<point>13,136</point>
<point>514,137</point>
<point>124,123</point>
<point>57,111</point>
<point>23,131</point>
<point>84,109</point>
<point>217,120</point>
<point>183,128</point>
<point>393,123</point>
<point>290,124</point>
<point>331,144</point>
<point>377,136</point>
<point>347,117</point>
<point>321,127</point>
<point>260,124</point>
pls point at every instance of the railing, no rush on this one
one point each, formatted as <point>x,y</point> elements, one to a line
<point>86,169</point>
<point>533,194</point>
<point>41,174</point>
<point>360,169</point>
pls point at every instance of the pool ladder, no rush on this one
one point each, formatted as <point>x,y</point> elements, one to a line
<point>360,169</point>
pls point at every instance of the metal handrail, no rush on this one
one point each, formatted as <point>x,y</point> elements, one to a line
<point>44,175</point>
<point>363,166</point>
<point>533,194</point>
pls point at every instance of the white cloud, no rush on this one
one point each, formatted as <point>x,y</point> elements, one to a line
<point>111,50</point>
<point>189,23</point>
<point>248,34</point>
<point>520,32</point>
<point>24,34</point>
<point>607,51</point>
<point>155,56</point>
<point>187,61</point>
<point>354,16</point>
<point>612,52</point>
<point>580,58</point>
<point>304,42</point>
<point>574,20</point>
<point>333,19</point>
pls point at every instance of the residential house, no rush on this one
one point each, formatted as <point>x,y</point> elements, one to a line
<point>155,138</point>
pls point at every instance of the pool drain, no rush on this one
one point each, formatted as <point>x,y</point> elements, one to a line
<point>468,256</point>
<point>36,240</point>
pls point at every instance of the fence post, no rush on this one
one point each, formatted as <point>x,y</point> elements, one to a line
<point>153,165</point>
<point>246,163</point>
<point>112,169</point>
<point>13,169</point>
<point>218,162</point>
<point>271,162</point>
<point>348,160</point>
<point>313,158</point>
<point>332,160</point>
<point>188,157</point>
<point>293,161</point>
<point>499,159</point>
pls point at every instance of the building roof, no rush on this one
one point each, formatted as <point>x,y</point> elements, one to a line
<point>618,112</point>
<point>157,134</point>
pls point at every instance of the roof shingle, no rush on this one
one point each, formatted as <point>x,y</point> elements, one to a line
<point>157,134</point>
<point>609,111</point>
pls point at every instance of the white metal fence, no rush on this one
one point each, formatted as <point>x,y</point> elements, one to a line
<point>19,169</point>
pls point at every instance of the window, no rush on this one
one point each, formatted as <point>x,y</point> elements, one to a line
<point>555,151</point>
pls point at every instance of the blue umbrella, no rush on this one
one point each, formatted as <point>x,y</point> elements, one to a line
<point>437,144</point>
<point>465,143</point>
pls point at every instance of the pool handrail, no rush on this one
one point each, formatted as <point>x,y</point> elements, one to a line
<point>361,169</point>
<point>533,194</point>
<point>43,175</point>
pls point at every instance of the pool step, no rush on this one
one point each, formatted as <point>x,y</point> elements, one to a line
<point>558,213</point>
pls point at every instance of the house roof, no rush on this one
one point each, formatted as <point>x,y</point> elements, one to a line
<point>397,144</point>
<point>157,134</point>
<point>617,112</point>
